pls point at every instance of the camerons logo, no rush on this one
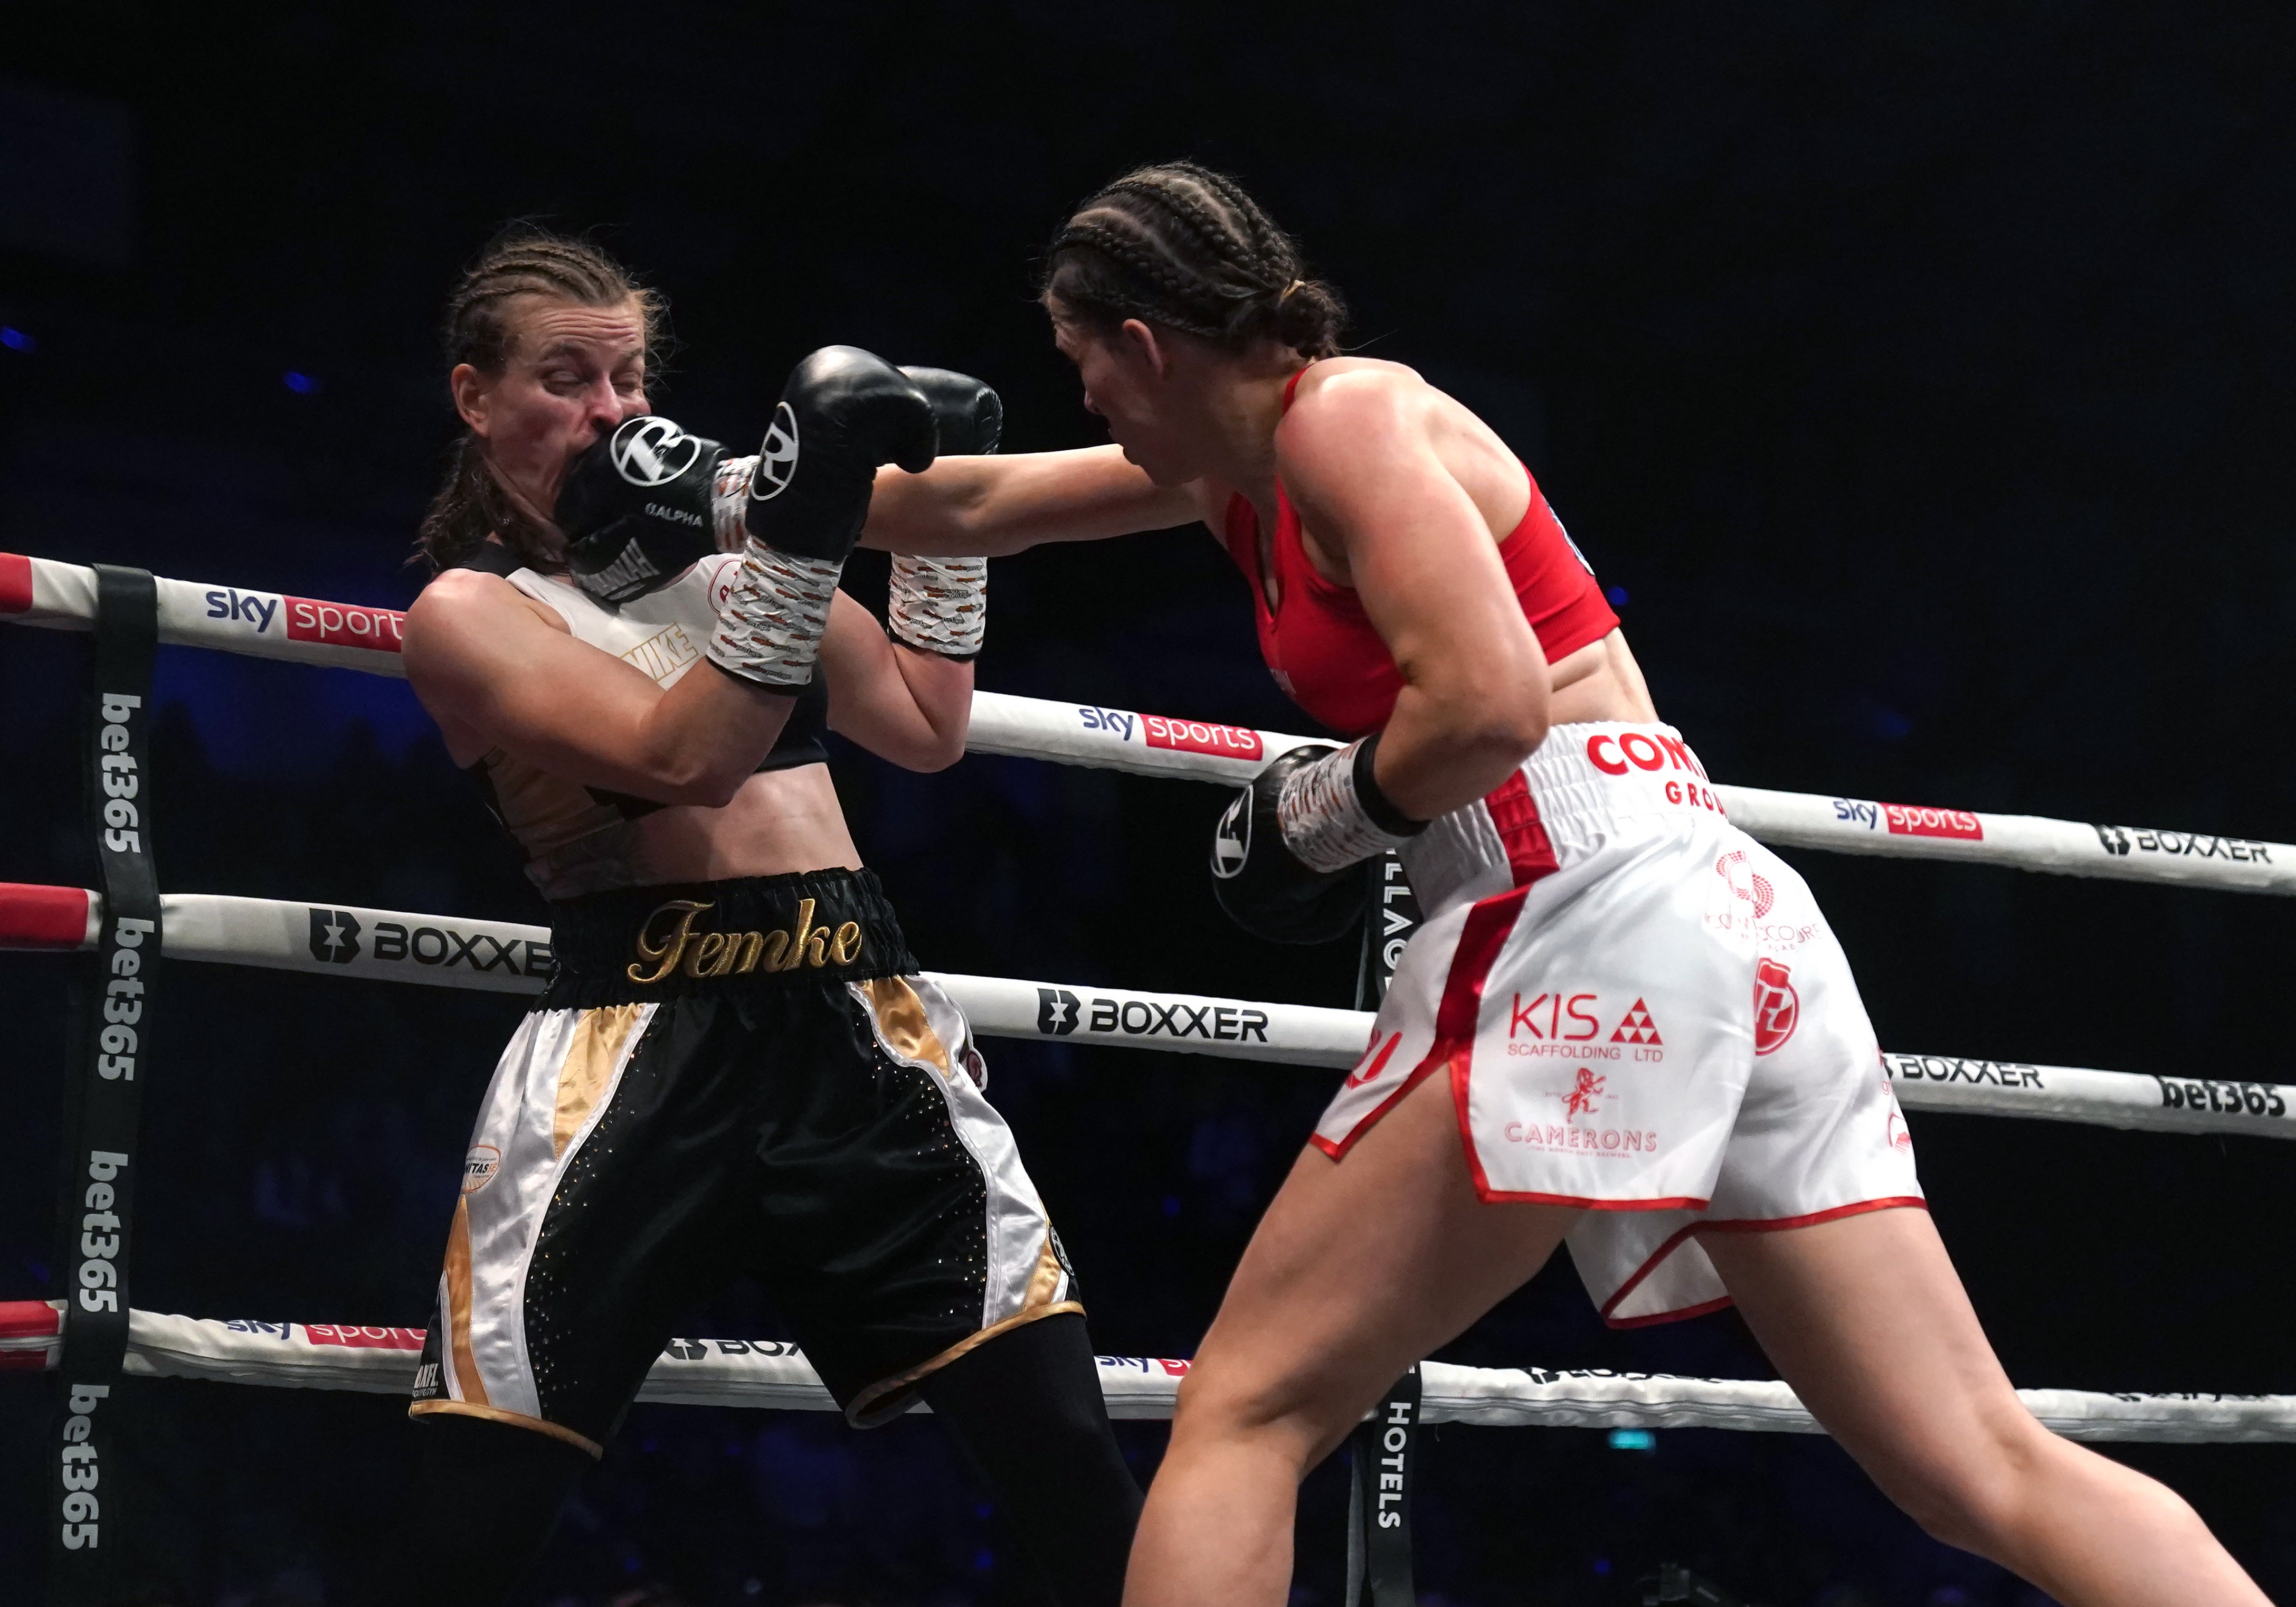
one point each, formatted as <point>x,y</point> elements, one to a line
<point>777,458</point>
<point>1232,838</point>
<point>718,954</point>
<point>1579,1100</point>
<point>335,936</point>
<point>480,1166</point>
<point>649,450</point>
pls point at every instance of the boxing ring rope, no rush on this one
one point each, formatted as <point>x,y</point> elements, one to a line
<point>507,957</point>
<point>272,625</point>
<point>771,1375</point>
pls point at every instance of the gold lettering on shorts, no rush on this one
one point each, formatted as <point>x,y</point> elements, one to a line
<point>701,959</point>
<point>742,951</point>
<point>672,943</point>
<point>801,945</point>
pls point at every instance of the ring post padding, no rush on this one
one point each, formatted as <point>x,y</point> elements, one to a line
<point>1393,916</point>
<point>1383,1457</point>
<point>103,1090</point>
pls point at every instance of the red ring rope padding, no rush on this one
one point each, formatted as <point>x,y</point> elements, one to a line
<point>15,583</point>
<point>27,1320</point>
<point>42,917</point>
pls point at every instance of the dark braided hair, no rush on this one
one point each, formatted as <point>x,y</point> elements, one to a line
<point>1180,245</point>
<point>525,259</point>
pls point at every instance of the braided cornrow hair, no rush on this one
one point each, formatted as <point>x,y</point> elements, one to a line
<point>524,259</point>
<point>1182,246</point>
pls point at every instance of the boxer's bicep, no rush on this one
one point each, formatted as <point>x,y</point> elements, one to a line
<point>484,663</point>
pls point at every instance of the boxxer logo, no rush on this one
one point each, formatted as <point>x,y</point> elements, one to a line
<point>1232,838</point>
<point>335,936</point>
<point>649,450</point>
<point>777,459</point>
<point>1058,1012</point>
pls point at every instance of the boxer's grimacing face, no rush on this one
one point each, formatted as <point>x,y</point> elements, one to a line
<point>574,371</point>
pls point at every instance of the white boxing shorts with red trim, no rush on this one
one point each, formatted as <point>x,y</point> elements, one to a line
<point>1642,1013</point>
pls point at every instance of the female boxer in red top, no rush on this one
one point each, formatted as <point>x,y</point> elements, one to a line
<point>1624,1025</point>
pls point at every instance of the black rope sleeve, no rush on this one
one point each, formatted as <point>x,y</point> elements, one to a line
<point>103,1091</point>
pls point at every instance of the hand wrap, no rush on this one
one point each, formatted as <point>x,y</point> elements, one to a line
<point>843,411</point>
<point>938,605</point>
<point>1334,815</point>
<point>770,627</point>
<point>729,500</point>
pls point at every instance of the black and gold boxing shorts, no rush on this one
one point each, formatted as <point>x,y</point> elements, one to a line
<point>728,1077</point>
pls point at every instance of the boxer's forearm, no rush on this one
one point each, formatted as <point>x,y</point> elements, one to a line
<point>989,506</point>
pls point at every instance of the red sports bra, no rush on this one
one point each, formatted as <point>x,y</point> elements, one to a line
<point>1320,644</point>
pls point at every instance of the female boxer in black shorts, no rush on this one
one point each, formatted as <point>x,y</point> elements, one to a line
<point>737,1067</point>
<point>1411,588</point>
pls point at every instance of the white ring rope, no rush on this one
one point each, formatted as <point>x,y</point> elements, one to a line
<point>41,591</point>
<point>507,957</point>
<point>771,1375</point>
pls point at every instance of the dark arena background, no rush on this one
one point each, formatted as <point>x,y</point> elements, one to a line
<point>1917,376</point>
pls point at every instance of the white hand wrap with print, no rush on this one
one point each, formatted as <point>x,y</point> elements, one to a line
<point>938,605</point>
<point>770,627</point>
<point>1323,821</point>
<point>730,495</point>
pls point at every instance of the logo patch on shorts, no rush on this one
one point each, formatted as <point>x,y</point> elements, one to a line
<point>480,1166</point>
<point>1585,1090</point>
<point>1636,1027</point>
<point>1777,1008</point>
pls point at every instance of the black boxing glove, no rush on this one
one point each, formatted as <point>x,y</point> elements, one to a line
<point>843,411</point>
<point>1262,885</point>
<point>941,605</point>
<point>1284,855</point>
<point>635,508</point>
<point>970,414</point>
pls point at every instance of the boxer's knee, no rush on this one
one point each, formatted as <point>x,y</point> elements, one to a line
<point>1985,1494</point>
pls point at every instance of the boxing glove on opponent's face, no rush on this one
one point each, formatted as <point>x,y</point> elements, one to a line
<point>635,508</point>
<point>1285,854</point>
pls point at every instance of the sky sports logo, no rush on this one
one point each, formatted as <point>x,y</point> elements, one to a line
<point>338,938</point>
<point>1181,736</point>
<point>308,620</point>
<point>1908,820</point>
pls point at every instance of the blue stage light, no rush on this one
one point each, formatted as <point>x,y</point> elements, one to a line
<point>17,339</point>
<point>300,382</point>
<point>1633,1439</point>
